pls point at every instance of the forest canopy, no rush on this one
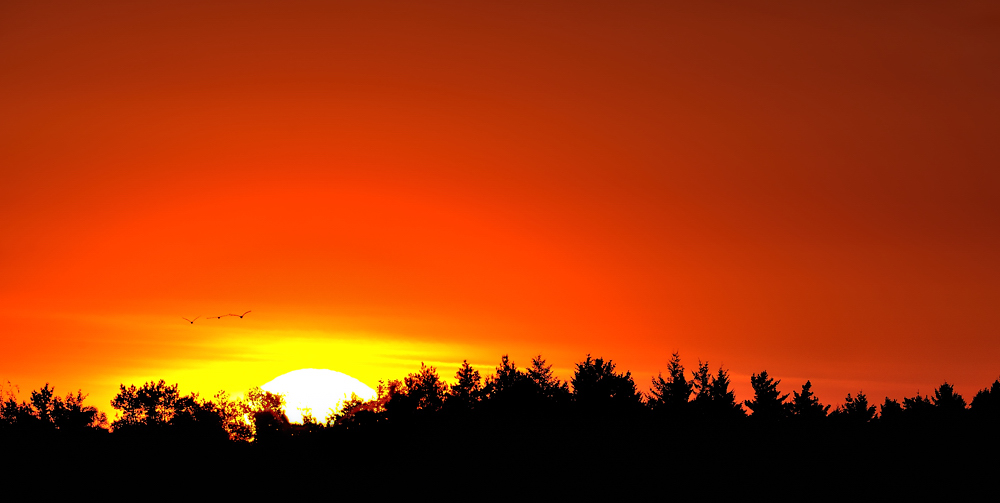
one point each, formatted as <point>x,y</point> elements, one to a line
<point>528,395</point>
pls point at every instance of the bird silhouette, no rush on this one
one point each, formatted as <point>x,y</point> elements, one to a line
<point>219,317</point>
<point>240,315</point>
<point>191,321</point>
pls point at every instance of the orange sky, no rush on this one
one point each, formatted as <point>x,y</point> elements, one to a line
<point>807,190</point>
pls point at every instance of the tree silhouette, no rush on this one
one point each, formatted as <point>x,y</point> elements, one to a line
<point>200,419</point>
<point>10,411</point>
<point>597,386</point>
<point>701,383</point>
<point>713,400</point>
<point>267,414</point>
<point>70,414</point>
<point>425,389</point>
<point>918,409</point>
<point>419,391</point>
<point>46,411</point>
<point>398,402</point>
<point>157,409</point>
<point>724,405</point>
<point>232,415</point>
<point>161,427</point>
<point>856,410</point>
<point>43,405</point>
<point>547,385</point>
<point>310,426</point>
<point>767,404</point>
<point>506,377</point>
<point>916,403</point>
<point>152,405</point>
<point>19,415</point>
<point>806,407</point>
<point>986,403</point>
<point>671,395</point>
<point>509,389</point>
<point>891,411</point>
<point>355,412</point>
<point>465,393</point>
<point>947,401</point>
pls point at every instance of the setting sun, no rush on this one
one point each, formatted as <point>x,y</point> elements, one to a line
<point>316,391</point>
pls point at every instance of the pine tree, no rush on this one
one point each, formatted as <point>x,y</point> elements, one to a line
<point>671,395</point>
<point>507,384</point>
<point>986,403</point>
<point>891,411</point>
<point>465,393</point>
<point>856,409</point>
<point>549,387</point>
<point>701,383</point>
<point>767,403</point>
<point>806,406</point>
<point>724,404</point>
<point>597,386</point>
<point>947,401</point>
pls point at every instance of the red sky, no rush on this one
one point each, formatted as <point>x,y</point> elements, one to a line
<point>810,190</point>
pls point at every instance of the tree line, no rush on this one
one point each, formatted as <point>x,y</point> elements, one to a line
<point>510,395</point>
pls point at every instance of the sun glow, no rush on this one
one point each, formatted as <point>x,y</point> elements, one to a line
<point>317,391</point>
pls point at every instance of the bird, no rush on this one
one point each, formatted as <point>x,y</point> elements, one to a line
<point>191,321</point>
<point>240,315</point>
<point>219,317</point>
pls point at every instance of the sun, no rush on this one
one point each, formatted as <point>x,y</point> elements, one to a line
<point>316,390</point>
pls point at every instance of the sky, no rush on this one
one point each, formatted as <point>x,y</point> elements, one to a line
<point>806,188</point>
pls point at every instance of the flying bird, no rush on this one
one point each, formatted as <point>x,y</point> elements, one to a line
<point>219,317</point>
<point>240,315</point>
<point>191,321</point>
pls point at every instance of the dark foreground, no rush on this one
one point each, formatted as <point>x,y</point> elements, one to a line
<point>537,460</point>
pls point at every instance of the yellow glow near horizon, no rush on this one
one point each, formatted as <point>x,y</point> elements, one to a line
<point>248,358</point>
